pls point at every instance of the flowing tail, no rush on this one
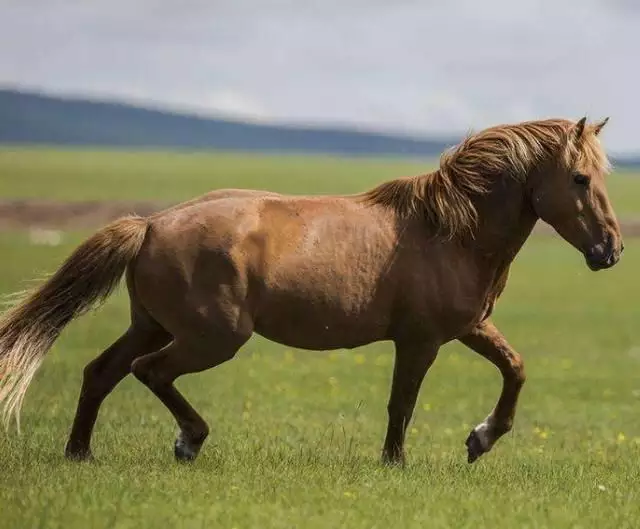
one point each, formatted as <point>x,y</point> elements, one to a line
<point>85,279</point>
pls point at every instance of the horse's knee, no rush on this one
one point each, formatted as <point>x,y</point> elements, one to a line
<point>518,371</point>
<point>515,372</point>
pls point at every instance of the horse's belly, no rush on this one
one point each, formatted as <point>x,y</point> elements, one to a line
<point>319,337</point>
<point>319,324</point>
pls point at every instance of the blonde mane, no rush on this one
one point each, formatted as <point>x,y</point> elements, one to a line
<point>445,197</point>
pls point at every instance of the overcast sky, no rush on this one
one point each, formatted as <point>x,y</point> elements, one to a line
<point>421,66</point>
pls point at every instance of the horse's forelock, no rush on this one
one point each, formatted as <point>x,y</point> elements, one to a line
<point>590,153</point>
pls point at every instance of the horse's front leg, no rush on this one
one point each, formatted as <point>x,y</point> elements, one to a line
<point>488,341</point>
<point>411,365</point>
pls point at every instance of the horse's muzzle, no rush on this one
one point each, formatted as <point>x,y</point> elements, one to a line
<point>603,256</point>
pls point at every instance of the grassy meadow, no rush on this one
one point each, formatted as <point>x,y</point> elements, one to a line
<point>177,176</point>
<point>296,435</point>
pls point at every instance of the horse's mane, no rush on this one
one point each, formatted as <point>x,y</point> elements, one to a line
<point>445,197</point>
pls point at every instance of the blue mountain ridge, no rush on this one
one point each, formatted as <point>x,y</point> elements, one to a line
<point>40,119</point>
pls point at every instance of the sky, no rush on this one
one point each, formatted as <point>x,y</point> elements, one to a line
<point>422,67</point>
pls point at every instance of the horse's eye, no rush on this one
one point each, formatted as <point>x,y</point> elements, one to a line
<point>581,179</point>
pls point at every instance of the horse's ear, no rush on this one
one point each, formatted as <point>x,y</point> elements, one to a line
<point>578,129</point>
<point>599,126</point>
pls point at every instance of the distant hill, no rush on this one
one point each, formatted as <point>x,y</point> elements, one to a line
<point>38,119</point>
<point>30,118</point>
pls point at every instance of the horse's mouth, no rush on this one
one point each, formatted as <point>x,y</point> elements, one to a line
<point>603,263</point>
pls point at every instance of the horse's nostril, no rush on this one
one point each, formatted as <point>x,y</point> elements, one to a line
<point>621,247</point>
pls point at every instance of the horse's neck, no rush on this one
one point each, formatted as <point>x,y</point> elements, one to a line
<point>505,221</point>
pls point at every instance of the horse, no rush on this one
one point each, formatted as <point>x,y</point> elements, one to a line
<point>418,261</point>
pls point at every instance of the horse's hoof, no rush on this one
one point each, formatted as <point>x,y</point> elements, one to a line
<point>78,454</point>
<point>185,451</point>
<point>397,461</point>
<point>392,457</point>
<point>475,448</point>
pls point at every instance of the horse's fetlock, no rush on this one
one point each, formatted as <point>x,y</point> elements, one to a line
<point>198,436</point>
<point>503,427</point>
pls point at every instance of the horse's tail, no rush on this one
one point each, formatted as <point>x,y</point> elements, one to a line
<point>85,279</point>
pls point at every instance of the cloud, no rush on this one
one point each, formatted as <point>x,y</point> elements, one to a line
<point>234,104</point>
<point>408,65</point>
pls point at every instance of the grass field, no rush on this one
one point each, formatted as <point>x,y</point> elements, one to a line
<point>296,435</point>
<point>174,177</point>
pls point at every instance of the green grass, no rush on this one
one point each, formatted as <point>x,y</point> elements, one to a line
<point>178,176</point>
<point>296,435</point>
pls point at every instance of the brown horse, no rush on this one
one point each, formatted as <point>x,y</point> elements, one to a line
<point>418,261</point>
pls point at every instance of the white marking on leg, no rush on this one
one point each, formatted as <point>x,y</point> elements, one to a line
<point>483,433</point>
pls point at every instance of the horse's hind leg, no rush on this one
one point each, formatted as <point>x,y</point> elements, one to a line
<point>487,341</point>
<point>159,370</point>
<point>103,374</point>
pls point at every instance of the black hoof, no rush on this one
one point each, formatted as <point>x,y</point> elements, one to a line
<point>474,447</point>
<point>395,462</point>
<point>184,451</point>
<point>78,454</point>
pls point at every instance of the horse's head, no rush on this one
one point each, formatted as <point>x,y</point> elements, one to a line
<point>570,194</point>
